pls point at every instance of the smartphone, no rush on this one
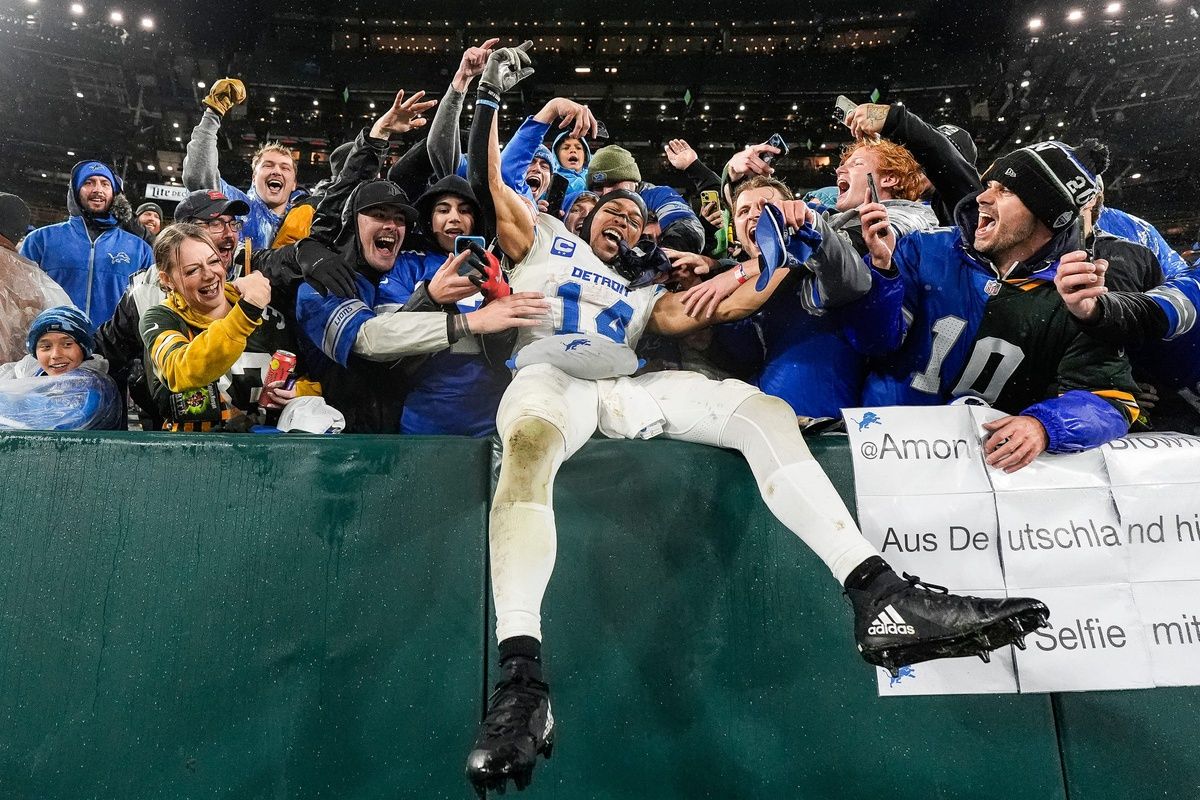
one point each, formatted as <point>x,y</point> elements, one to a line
<point>556,194</point>
<point>1081,231</point>
<point>710,196</point>
<point>464,243</point>
<point>777,142</point>
<point>872,188</point>
<point>842,108</point>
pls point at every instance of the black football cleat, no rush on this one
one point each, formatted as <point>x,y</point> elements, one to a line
<point>517,728</point>
<point>910,621</point>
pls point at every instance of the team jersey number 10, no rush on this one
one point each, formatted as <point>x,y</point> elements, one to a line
<point>610,322</point>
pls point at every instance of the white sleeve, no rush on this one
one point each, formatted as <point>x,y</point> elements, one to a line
<point>386,337</point>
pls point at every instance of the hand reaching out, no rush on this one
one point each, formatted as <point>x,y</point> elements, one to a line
<point>403,116</point>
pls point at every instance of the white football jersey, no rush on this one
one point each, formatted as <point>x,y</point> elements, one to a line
<point>585,294</point>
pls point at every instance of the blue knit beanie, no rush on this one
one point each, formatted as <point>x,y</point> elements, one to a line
<point>63,319</point>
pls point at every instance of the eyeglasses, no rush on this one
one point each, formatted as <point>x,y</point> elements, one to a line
<point>218,225</point>
<point>634,223</point>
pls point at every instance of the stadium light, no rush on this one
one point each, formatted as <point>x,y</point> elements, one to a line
<point>947,100</point>
<point>316,102</point>
<point>662,106</point>
<point>372,104</point>
<point>200,85</point>
<point>271,99</point>
<point>1025,84</point>
<point>150,167</point>
<point>70,152</point>
<point>1035,23</point>
<point>1016,141</point>
<point>79,95</point>
<point>629,106</point>
<point>77,9</point>
<point>1074,15</point>
<point>583,70</point>
<point>1112,8</point>
<point>116,17</point>
<point>147,23</point>
<point>31,2</point>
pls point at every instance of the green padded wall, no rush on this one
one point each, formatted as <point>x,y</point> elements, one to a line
<point>243,617</point>
<point>217,616</point>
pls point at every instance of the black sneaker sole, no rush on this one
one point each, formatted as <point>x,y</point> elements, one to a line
<point>980,641</point>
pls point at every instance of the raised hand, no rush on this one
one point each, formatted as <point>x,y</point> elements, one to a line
<point>473,61</point>
<point>507,67</point>
<point>403,116</point>
<point>225,94</point>
<point>680,154</point>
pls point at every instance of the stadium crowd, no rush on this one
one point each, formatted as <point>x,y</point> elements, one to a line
<point>543,291</point>
<point>400,326</point>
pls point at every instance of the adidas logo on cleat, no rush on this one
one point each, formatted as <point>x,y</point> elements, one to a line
<point>889,622</point>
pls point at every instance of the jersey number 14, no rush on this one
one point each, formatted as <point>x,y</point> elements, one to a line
<point>610,322</point>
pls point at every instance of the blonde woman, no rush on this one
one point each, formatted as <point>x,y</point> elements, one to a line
<point>208,344</point>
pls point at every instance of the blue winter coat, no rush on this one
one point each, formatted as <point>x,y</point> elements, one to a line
<point>94,274</point>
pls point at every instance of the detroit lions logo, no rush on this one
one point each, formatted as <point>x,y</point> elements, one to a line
<point>120,258</point>
<point>575,344</point>
<point>903,672</point>
<point>870,418</point>
<point>562,247</point>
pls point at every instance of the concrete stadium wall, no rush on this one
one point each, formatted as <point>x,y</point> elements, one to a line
<point>244,617</point>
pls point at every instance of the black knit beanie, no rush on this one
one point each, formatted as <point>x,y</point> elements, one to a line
<point>1053,180</point>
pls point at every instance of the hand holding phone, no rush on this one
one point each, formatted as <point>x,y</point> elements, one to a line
<point>872,189</point>
<point>778,143</point>
<point>842,108</point>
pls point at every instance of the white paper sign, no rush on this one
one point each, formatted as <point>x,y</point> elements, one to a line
<point>1097,642</point>
<point>952,536</point>
<point>1170,613</point>
<point>1109,539</point>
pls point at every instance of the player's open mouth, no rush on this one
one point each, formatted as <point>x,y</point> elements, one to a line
<point>612,236</point>
<point>986,224</point>
<point>843,185</point>
<point>274,184</point>
<point>535,182</point>
<point>211,291</point>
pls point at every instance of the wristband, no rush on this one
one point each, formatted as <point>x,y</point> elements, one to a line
<point>457,327</point>
<point>740,274</point>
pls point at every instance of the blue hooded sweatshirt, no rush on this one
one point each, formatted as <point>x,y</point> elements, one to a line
<point>96,273</point>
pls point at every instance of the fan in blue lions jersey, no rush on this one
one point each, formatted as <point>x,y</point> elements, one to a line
<point>573,377</point>
<point>972,311</point>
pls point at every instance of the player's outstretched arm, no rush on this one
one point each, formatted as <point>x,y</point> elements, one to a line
<point>670,316</point>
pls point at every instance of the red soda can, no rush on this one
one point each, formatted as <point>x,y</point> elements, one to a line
<point>281,367</point>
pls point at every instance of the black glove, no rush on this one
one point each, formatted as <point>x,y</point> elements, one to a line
<point>324,269</point>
